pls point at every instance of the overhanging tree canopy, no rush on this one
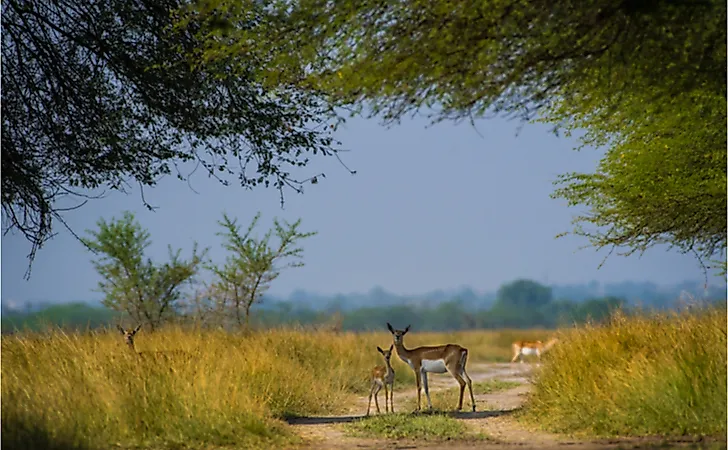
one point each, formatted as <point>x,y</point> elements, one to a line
<point>99,94</point>
<point>646,79</point>
<point>470,57</point>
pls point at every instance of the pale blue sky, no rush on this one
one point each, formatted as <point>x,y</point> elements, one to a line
<point>429,208</point>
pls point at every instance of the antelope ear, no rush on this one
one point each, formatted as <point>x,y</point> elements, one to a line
<point>137,328</point>
<point>407,329</point>
<point>391,330</point>
<point>380,350</point>
<point>120,329</point>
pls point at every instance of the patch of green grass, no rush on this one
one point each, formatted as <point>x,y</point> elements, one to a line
<point>659,374</point>
<point>410,426</point>
<point>493,386</point>
<point>447,399</point>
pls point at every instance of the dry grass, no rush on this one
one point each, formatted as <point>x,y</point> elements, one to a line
<point>660,374</point>
<point>89,391</point>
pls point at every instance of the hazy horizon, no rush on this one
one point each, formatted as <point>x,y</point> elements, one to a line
<point>451,290</point>
<point>429,208</point>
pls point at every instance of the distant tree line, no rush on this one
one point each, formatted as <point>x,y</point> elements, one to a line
<point>642,293</point>
<point>518,304</point>
<point>68,315</point>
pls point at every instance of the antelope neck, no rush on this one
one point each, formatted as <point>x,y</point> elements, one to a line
<point>389,367</point>
<point>402,352</point>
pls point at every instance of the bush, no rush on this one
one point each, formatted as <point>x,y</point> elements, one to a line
<point>641,375</point>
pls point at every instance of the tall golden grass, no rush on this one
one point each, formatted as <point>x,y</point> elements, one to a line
<point>661,374</point>
<point>62,390</point>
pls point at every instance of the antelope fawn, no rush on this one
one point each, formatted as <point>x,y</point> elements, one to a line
<point>383,376</point>
<point>521,348</point>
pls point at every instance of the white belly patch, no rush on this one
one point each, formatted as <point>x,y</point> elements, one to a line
<point>434,366</point>
<point>529,351</point>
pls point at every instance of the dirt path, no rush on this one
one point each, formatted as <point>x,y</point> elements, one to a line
<point>493,419</point>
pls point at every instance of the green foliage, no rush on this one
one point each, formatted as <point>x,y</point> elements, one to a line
<point>469,57</point>
<point>662,374</point>
<point>100,95</point>
<point>148,292</point>
<point>644,79</point>
<point>253,264</point>
<point>663,180</point>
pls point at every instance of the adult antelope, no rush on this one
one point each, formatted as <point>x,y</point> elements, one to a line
<point>449,358</point>
<point>521,348</point>
<point>383,376</point>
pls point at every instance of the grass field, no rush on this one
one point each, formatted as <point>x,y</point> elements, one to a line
<point>663,374</point>
<point>89,391</point>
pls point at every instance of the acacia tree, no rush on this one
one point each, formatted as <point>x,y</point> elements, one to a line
<point>646,80</point>
<point>99,95</point>
<point>252,264</point>
<point>663,180</point>
<point>131,283</point>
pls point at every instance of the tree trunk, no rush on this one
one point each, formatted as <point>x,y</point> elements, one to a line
<point>237,307</point>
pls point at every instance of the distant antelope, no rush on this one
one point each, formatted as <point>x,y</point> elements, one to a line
<point>129,336</point>
<point>129,340</point>
<point>383,376</point>
<point>521,348</point>
<point>449,358</point>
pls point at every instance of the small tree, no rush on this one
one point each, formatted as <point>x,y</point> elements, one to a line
<point>148,292</point>
<point>522,293</point>
<point>253,264</point>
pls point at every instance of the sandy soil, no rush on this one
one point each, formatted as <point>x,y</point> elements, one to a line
<point>493,419</point>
